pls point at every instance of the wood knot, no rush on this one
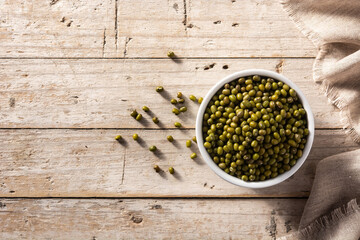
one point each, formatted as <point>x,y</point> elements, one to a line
<point>210,66</point>
<point>157,206</point>
<point>136,219</point>
<point>279,66</point>
<point>52,2</point>
<point>12,102</point>
<point>288,226</point>
<point>271,228</point>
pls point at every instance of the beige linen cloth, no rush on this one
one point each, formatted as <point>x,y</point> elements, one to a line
<point>331,211</point>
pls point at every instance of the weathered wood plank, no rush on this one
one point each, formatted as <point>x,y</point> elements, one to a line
<point>136,28</point>
<point>90,163</point>
<point>59,162</point>
<point>59,29</point>
<point>148,219</point>
<point>93,93</point>
<point>210,28</point>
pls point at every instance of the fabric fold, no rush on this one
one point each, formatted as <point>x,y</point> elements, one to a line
<point>334,27</point>
<point>341,223</point>
<point>332,211</point>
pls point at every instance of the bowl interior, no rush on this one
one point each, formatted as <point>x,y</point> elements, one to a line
<point>235,180</point>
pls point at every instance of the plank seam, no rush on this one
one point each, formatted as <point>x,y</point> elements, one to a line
<point>116,25</point>
<point>157,198</point>
<point>104,43</point>
<point>185,16</point>
<point>183,129</point>
<point>123,173</point>
<point>146,58</point>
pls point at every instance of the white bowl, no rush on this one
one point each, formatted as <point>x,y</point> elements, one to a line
<point>235,180</point>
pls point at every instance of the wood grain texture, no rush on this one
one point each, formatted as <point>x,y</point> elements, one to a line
<point>94,93</point>
<point>58,29</point>
<point>90,163</point>
<point>148,219</point>
<point>70,73</point>
<point>210,28</point>
<point>136,28</point>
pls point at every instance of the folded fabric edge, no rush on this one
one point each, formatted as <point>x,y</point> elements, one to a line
<point>317,71</point>
<point>313,36</point>
<point>325,221</point>
<point>332,95</point>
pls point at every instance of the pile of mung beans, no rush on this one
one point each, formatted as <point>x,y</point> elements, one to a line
<point>255,128</point>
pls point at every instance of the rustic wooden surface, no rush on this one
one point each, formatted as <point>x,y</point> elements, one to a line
<point>89,163</point>
<point>137,28</point>
<point>70,71</point>
<point>149,218</point>
<point>62,93</point>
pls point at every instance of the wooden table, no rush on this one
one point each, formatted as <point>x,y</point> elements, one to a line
<point>70,72</point>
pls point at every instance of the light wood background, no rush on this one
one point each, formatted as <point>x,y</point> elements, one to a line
<point>70,71</point>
